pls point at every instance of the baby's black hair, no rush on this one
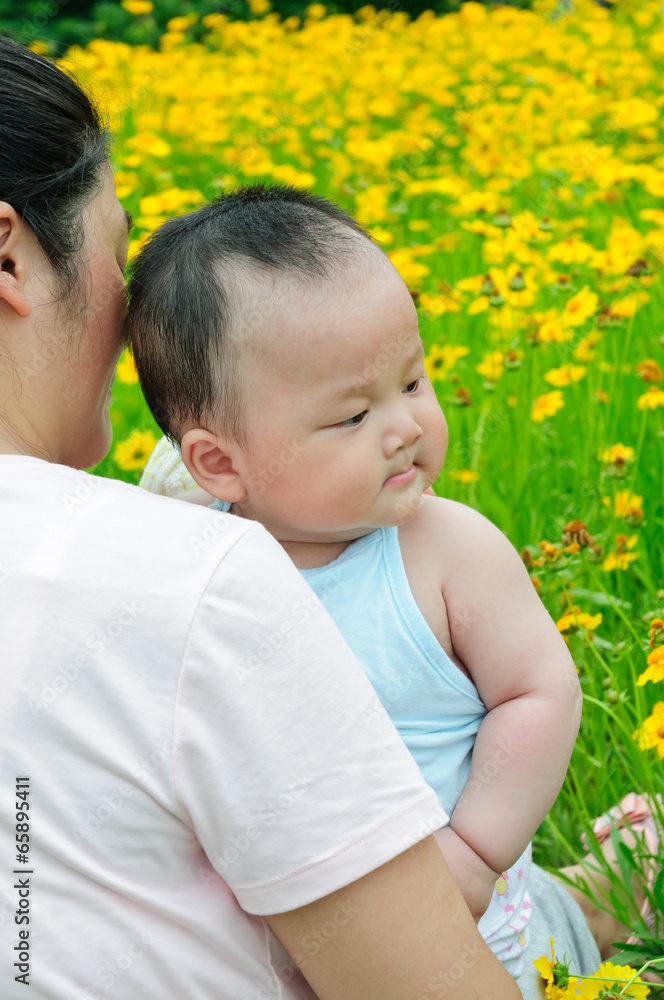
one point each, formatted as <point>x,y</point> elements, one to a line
<point>183,294</point>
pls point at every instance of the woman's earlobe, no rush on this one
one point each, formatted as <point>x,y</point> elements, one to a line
<point>10,293</point>
<point>9,285</point>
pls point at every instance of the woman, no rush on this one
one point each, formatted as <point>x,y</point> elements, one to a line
<point>176,802</point>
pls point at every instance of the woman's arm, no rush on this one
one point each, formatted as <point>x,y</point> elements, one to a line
<point>400,932</point>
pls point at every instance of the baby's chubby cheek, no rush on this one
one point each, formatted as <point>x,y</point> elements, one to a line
<point>437,441</point>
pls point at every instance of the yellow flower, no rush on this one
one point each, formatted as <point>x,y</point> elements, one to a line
<point>441,359</point>
<point>258,7</point>
<point>651,399</point>
<point>409,269</point>
<point>150,143</point>
<point>551,328</point>
<point>559,983</point>
<point>170,202</point>
<point>132,453</point>
<point>565,375</point>
<point>382,235</point>
<point>126,370</point>
<point>617,453</point>
<point>478,306</point>
<point>571,251</point>
<point>573,620</point>
<point>622,557</point>
<point>584,349</point>
<point>626,504</point>
<point>651,733</point>
<point>609,975</point>
<point>465,476</point>
<point>655,669</point>
<point>138,6</point>
<point>547,405</point>
<point>492,365</point>
<point>580,307</point>
<point>436,305</point>
<point>180,24</point>
<point>626,307</point>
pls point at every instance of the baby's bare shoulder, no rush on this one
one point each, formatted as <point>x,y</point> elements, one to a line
<point>462,542</point>
<point>453,523</point>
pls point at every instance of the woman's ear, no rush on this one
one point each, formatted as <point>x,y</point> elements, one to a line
<point>11,265</point>
<point>210,460</point>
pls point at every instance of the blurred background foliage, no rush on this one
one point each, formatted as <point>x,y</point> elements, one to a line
<point>61,23</point>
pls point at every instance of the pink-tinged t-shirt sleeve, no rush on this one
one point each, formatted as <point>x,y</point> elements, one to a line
<point>287,767</point>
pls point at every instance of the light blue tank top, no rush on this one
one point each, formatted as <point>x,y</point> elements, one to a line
<point>435,707</point>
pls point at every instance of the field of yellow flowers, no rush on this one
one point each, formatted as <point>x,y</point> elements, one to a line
<point>511,163</point>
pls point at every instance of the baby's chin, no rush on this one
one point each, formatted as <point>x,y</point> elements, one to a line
<point>407,506</point>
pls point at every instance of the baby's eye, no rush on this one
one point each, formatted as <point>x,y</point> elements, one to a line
<point>412,386</point>
<point>353,421</point>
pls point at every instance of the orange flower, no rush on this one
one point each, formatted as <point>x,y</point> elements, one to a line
<point>656,630</point>
<point>650,371</point>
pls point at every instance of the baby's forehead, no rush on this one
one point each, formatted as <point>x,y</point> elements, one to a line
<point>325,336</point>
<point>276,309</point>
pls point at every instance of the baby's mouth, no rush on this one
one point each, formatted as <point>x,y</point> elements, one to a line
<point>401,477</point>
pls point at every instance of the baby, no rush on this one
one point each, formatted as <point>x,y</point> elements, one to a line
<point>279,347</point>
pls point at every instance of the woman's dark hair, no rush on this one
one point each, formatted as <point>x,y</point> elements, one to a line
<point>53,142</point>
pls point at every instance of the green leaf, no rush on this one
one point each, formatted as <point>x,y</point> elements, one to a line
<point>597,597</point>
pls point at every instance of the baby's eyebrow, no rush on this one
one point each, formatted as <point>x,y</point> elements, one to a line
<point>357,384</point>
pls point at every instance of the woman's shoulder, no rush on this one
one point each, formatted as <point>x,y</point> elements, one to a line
<point>115,520</point>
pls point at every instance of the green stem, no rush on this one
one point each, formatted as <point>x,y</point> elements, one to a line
<point>652,961</point>
<point>477,445</point>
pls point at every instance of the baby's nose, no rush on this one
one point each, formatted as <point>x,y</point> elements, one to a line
<point>404,433</point>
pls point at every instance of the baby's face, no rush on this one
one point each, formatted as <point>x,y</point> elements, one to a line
<point>345,431</point>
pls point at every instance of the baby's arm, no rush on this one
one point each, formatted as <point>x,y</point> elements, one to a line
<point>524,674</point>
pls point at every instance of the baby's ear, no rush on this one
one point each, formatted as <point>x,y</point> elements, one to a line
<point>209,459</point>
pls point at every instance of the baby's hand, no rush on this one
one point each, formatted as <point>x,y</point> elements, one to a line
<point>473,876</point>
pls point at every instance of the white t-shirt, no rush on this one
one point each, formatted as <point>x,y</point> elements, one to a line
<point>196,743</point>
